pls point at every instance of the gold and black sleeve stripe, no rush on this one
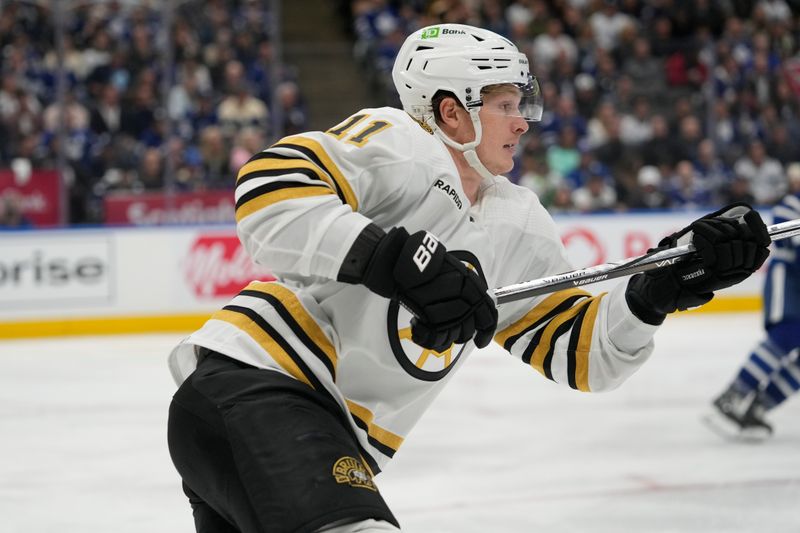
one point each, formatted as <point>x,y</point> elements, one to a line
<point>291,156</point>
<point>539,352</point>
<point>268,164</point>
<point>571,311</point>
<point>265,166</point>
<point>580,341</point>
<point>272,193</point>
<point>313,151</point>
<point>551,306</point>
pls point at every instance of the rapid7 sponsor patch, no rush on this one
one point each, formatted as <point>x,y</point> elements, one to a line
<point>449,191</point>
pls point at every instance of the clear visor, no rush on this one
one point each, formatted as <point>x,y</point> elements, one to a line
<point>514,100</point>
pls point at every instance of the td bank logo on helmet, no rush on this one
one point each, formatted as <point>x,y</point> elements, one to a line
<point>430,33</point>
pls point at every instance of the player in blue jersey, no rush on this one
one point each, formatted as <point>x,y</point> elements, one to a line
<point>772,371</point>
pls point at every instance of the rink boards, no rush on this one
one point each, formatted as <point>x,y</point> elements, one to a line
<point>132,279</point>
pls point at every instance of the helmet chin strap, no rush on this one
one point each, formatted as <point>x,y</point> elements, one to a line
<point>468,149</point>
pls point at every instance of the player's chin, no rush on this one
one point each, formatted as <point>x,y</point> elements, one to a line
<point>498,163</point>
<point>503,166</point>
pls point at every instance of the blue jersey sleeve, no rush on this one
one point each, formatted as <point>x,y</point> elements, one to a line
<point>782,284</point>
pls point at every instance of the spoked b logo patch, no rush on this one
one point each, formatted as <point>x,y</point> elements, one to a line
<point>419,362</point>
<point>423,363</point>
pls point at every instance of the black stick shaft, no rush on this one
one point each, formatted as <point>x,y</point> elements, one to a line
<point>618,269</point>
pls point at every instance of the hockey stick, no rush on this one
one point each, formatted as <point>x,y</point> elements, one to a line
<point>618,269</point>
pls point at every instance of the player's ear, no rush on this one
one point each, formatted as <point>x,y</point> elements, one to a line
<point>449,112</point>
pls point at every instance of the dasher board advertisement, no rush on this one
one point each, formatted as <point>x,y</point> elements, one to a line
<point>61,270</point>
<point>131,273</point>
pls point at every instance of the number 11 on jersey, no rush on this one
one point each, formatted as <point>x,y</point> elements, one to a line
<point>362,136</point>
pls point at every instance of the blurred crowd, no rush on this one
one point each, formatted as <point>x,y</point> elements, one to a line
<point>134,121</point>
<point>648,104</point>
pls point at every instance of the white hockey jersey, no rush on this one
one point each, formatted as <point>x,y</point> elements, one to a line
<point>300,205</point>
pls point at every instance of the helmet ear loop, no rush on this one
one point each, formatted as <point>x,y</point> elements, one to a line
<point>476,125</point>
<point>470,153</point>
<point>468,149</point>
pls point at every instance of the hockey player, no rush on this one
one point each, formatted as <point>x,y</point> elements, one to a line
<point>772,371</point>
<point>385,233</point>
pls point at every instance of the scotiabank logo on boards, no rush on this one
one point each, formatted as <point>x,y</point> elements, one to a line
<point>584,247</point>
<point>51,270</point>
<point>218,266</point>
<point>587,246</point>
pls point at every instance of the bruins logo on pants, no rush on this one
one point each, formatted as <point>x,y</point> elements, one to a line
<point>350,470</point>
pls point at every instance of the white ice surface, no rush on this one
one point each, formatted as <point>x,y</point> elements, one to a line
<point>83,447</point>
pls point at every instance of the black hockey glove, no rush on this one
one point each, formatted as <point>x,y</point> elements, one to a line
<point>730,244</point>
<point>450,302</point>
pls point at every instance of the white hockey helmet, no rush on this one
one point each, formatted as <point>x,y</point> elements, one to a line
<point>463,60</point>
